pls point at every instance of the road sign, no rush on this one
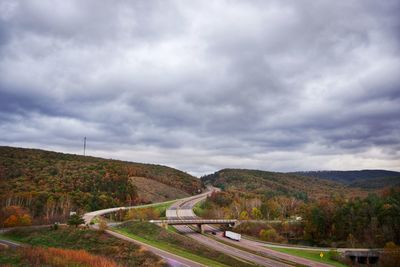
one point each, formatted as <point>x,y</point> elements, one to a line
<point>321,255</point>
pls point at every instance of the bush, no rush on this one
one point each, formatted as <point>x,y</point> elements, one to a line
<point>94,242</point>
<point>334,255</point>
<point>390,255</point>
<point>270,235</point>
<point>103,225</point>
<point>38,256</point>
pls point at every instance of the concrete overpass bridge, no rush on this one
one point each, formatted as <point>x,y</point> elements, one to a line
<point>199,222</point>
<point>361,256</point>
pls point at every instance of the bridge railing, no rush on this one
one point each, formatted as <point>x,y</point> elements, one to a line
<point>195,221</point>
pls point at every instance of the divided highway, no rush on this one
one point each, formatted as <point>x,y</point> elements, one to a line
<point>184,210</point>
<point>172,259</point>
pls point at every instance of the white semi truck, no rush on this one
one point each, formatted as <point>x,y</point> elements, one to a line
<point>232,235</point>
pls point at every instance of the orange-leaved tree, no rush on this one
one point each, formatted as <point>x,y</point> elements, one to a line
<point>12,216</point>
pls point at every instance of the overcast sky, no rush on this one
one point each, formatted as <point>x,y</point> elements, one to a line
<point>204,85</point>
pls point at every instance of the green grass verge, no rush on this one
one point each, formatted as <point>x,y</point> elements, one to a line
<point>4,237</point>
<point>311,255</point>
<point>162,207</point>
<point>10,257</point>
<point>172,249</point>
<point>198,209</point>
<point>157,205</point>
<point>178,244</point>
<point>172,229</point>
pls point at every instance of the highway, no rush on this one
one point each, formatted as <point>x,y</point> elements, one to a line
<point>172,259</point>
<point>184,210</point>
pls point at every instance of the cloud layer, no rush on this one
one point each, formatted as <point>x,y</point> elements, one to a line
<point>203,85</point>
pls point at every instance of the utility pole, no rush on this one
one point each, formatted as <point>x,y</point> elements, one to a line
<point>84,146</point>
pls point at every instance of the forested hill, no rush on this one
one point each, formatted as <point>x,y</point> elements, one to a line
<point>51,184</point>
<point>380,178</point>
<point>333,214</point>
<point>275,183</point>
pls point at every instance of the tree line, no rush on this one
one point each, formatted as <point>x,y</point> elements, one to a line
<point>335,221</point>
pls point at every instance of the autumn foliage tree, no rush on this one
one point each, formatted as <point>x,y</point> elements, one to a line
<point>12,216</point>
<point>371,221</point>
<point>51,184</point>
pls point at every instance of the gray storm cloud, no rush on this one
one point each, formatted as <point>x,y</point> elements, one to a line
<point>274,85</point>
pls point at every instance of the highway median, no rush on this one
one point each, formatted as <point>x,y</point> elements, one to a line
<point>178,244</point>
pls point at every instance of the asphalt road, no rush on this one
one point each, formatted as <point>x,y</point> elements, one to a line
<point>172,259</point>
<point>184,209</point>
<point>10,244</point>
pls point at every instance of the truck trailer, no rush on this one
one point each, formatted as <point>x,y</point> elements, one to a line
<point>232,235</point>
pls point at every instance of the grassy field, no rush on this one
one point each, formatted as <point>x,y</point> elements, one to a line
<point>178,244</point>
<point>10,257</point>
<point>310,254</point>
<point>94,242</point>
<point>162,207</point>
<point>198,209</point>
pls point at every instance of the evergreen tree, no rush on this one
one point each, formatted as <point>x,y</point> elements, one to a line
<point>75,220</point>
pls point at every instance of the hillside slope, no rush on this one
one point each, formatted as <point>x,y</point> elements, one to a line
<point>381,178</point>
<point>51,184</point>
<point>377,183</point>
<point>275,183</point>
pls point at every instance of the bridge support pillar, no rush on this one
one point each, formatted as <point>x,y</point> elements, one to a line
<point>201,228</point>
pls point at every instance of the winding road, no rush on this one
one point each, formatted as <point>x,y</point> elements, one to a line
<point>183,209</point>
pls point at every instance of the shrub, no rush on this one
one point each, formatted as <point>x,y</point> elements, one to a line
<point>390,255</point>
<point>270,235</point>
<point>149,213</point>
<point>334,255</point>
<point>103,225</point>
<point>38,256</point>
<point>11,221</point>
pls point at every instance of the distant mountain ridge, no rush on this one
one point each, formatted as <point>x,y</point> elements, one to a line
<point>348,177</point>
<point>277,183</point>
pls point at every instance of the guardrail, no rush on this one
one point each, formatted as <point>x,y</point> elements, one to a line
<point>194,221</point>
